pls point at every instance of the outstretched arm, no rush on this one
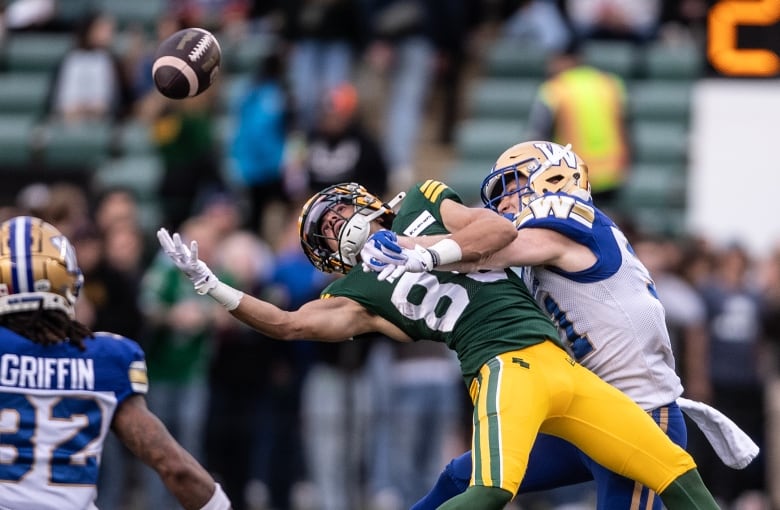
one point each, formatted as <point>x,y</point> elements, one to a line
<point>148,439</point>
<point>331,320</point>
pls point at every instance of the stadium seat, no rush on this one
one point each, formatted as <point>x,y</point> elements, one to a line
<point>466,176</point>
<point>680,62</point>
<point>509,58</point>
<point>15,139</point>
<point>660,142</point>
<point>133,138</point>
<point>244,56</point>
<point>83,145</point>
<point>503,98</point>
<point>487,138</point>
<point>662,100</point>
<point>655,185</point>
<point>24,92</point>
<point>659,220</point>
<point>138,13</point>
<point>35,51</point>
<point>140,173</point>
<point>616,57</point>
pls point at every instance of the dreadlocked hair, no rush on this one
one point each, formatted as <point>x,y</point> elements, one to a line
<point>47,327</point>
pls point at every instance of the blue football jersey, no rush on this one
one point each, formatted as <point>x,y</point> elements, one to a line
<point>56,406</point>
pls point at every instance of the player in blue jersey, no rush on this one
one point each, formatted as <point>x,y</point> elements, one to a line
<point>583,273</point>
<point>62,387</point>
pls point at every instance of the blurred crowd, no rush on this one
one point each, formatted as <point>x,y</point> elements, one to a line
<point>341,95</point>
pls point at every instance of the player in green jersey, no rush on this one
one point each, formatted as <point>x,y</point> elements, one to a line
<point>520,378</point>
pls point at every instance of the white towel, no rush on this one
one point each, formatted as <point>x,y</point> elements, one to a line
<point>731,443</point>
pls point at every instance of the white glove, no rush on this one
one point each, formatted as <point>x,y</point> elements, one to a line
<point>418,260</point>
<point>381,249</point>
<point>202,278</point>
<point>186,259</point>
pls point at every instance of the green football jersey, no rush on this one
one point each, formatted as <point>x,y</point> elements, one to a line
<point>478,315</point>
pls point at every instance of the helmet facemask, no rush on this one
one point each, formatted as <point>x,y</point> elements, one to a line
<point>355,228</point>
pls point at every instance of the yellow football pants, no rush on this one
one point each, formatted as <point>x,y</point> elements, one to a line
<point>541,389</point>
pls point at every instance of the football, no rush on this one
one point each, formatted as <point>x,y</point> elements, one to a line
<point>186,63</point>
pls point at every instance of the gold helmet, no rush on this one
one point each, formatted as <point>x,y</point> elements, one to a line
<point>537,167</point>
<point>353,233</point>
<point>38,267</point>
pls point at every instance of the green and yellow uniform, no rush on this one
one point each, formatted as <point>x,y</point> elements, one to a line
<point>520,378</point>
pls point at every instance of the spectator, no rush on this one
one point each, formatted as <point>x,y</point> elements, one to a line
<point>402,51</point>
<point>184,132</point>
<point>734,307</point>
<point>248,421</point>
<point>632,20</point>
<point>340,149</point>
<point>178,341</point>
<point>586,107</point>
<point>263,115</point>
<point>322,38</point>
<point>539,24</point>
<point>90,83</point>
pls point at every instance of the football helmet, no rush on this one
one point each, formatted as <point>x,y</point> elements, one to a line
<point>537,167</point>
<point>354,231</point>
<point>38,267</point>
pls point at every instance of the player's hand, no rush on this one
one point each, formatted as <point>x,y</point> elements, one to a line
<point>186,259</point>
<point>381,249</point>
<point>418,260</point>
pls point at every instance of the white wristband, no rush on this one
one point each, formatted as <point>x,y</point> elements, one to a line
<point>226,296</point>
<point>219,500</point>
<point>445,252</point>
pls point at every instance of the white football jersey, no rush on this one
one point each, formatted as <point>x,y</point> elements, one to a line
<point>56,407</point>
<point>609,315</point>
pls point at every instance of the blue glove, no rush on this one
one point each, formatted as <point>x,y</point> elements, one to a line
<point>381,249</point>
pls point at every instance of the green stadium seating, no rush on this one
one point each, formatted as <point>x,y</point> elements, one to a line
<point>244,56</point>
<point>83,145</point>
<point>660,142</point>
<point>140,173</point>
<point>24,92</point>
<point>134,13</point>
<point>616,57</point>
<point>509,58</point>
<point>487,138</point>
<point>682,62</point>
<point>466,176</point>
<point>35,51</point>
<point>133,138</point>
<point>661,100</point>
<point>504,98</point>
<point>15,139</point>
<point>655,185</point>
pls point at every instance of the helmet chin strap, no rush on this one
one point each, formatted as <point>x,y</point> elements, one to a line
<point>355,232</point>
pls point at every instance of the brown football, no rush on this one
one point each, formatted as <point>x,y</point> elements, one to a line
<point>186,63</point>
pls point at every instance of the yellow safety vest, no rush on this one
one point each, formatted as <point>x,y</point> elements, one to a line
<point>587,105</point>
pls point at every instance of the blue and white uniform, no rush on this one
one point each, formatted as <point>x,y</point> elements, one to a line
<point>609,314</point>
<point>610,317</point>
<point>56,407</point>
